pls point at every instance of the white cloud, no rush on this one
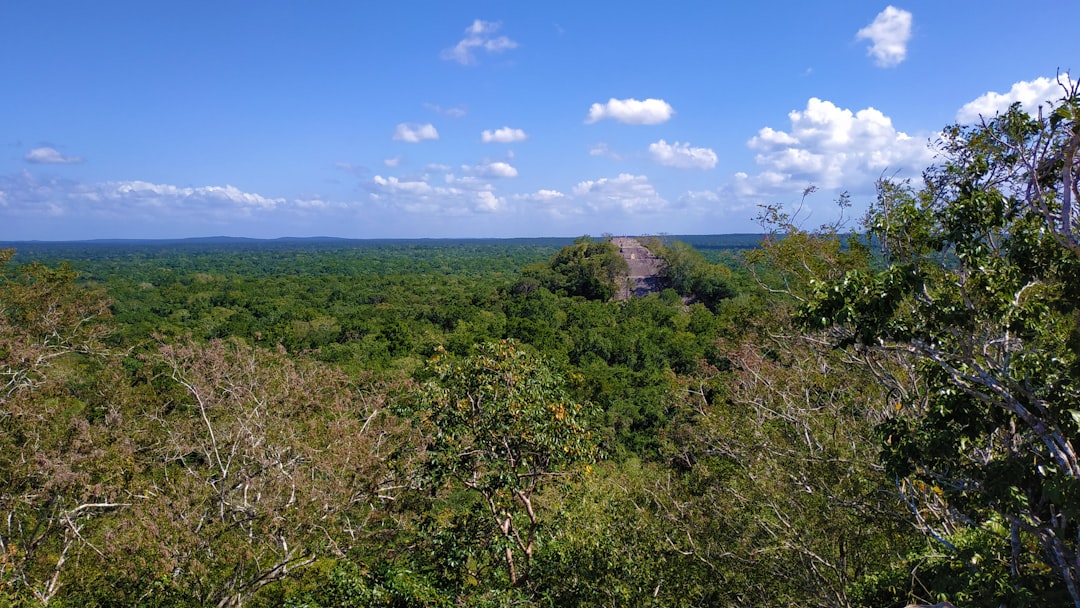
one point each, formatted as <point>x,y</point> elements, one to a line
<point>682,156</point>
<point>28,195</point>
<point>1030,94</point>
<point>454,197</point>
<point>163,208</point>
<point>495,169</point>
<point>392,162</point>
<point>313,203</point>
<point>478,36</point>
<point>768,135</point>
<point>545,196</point>
<point>487,202</point>
<point>50,156</point>
<point>469,182</point>
<point>553,203</point>
<point>505,135</point>
<point>542,196</point>
<point>708,196</point>
<point>414,133</point>
<point>631,111</point>
<point>833,147</point>
<point>394,185</point>
<point>767,183</point>
<point>166,194</point>
<point>629,193</point>
<point>889,34</point>
<point>602,149</point>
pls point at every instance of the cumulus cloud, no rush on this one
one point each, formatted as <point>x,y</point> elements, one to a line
<point>631,111</point>
<point>682,156</point>
<point>28,195</point>
<point>552,203</point>
<point>778,138</point>
<point>454,197</point>
<point>494,169</point>
<point>628,193</point>
<point>708,196</point>
<point>392,162</point>
<point>888,35</point>
<point>478,36</point>
<point>49,156</point>
<point>505,135</point>
<point>316,204</point>
<point>1030,94</point>
<point>748,188</point>
<point>393,185</point>
<point>487,202</point>
<point>834,147</point>
<point>602,149</point>
<point>414,133</point>
<point>544,196</point>
<point>175,209</point>
<point>24,194</point>
<point>220,198</point>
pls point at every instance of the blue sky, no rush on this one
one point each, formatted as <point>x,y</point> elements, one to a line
<point>487,119</point>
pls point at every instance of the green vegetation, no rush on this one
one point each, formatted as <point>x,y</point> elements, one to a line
<point>691,276</point>
<point>810,418</point>
<point>979,303</point>
<point>499,425</point>
<point>589,269</point>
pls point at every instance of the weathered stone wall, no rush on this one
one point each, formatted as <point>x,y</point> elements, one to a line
<point>644,277</point>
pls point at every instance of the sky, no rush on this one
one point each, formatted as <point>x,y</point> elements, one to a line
<point>435,119</point>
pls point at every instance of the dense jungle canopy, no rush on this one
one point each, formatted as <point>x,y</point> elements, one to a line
<point>875,415</point>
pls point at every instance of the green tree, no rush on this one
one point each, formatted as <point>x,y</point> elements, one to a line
<point>630,534</point>
<point>980,294</point>
<point>776,439</point>
<point>688,272</point>
<point>500,426</point>
<point>588,268</point>
<point>258,464</point>
<point>787,462</point>
<point>63,448</point>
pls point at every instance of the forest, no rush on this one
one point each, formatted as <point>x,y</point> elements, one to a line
<point>881,412</point>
